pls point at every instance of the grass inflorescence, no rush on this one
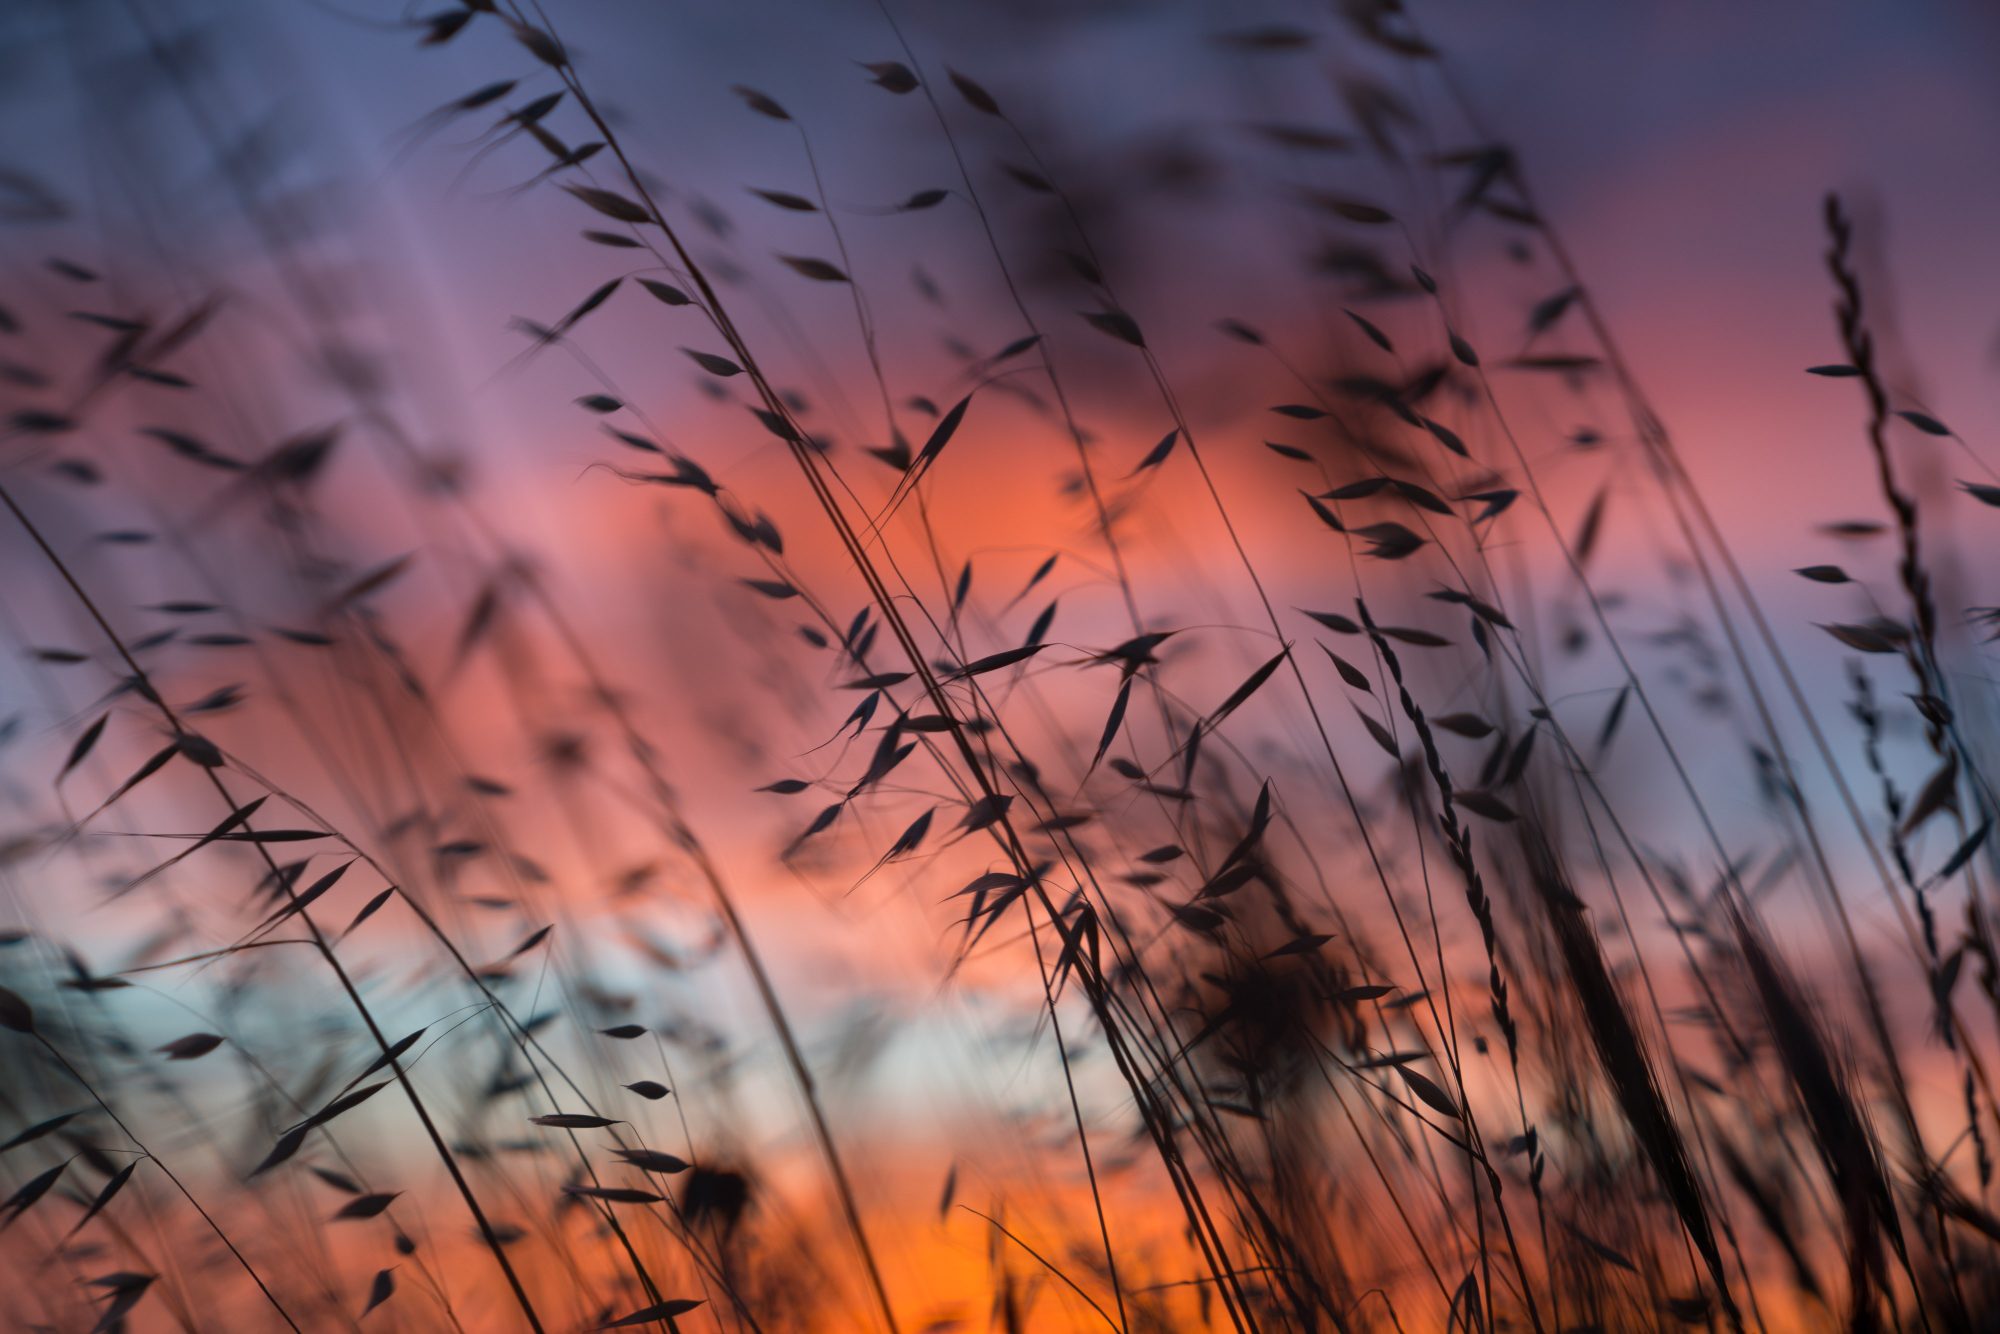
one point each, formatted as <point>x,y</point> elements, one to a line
<point>1151,814</point>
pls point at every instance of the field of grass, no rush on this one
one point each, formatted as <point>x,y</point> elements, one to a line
<point>955,737</point>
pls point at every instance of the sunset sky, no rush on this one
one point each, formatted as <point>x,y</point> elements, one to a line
<point>1680,151</point>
